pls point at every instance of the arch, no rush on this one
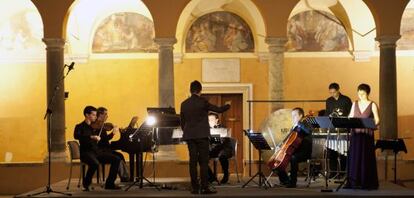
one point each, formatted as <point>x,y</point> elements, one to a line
<point>219,31</point>
<point>349,13</point>
<point>407,28</point>
<point>83,21</point>
<point>246,9</point>
<point>316,31</point>
<point>21,31</point>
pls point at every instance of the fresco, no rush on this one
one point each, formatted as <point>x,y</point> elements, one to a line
<point>21,35</point>
<point>314,31</point>
<point>125,32</point>
<point>406,42</point>
<point>219,32</point>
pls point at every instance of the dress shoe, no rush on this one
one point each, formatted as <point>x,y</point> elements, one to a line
<point>225,179</point>
<point>195,191</point>
<point>112,187</point>
<point>208,191</point>
<point>291,185</point>
<point>86,189</point>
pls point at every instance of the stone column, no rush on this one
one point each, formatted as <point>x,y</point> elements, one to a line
<point>276,68</point>
<point>55,86</point>
<point>166,71</point>
<point>388,86</point>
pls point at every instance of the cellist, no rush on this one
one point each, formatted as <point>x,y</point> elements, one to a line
<point>303,151</point>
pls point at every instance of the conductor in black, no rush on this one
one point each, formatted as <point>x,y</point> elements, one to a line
<point>196,132</point>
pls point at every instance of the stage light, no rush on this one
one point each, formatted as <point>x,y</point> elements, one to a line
<point>151,120</point>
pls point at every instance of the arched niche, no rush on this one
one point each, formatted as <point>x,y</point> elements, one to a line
<point>21,32</point>
<point>246,9</point>
<point>220,31</point>
<point>361,33</point>
<point>406,42</point>
<point>83,23</point>
<point>316,31</point>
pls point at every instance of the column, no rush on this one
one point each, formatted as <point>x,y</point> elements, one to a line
<point>388,86</point>
<point>166,71</point>
<point>276,69</point>
<point>54,69</point>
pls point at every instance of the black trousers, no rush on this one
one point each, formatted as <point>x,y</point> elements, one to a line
<point>224,161</point>
<point>297,157</point>
<point>93,159</point>
<point>333,160</point>
<point>199,154</point>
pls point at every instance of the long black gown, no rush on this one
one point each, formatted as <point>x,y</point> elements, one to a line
<point>362,172</point>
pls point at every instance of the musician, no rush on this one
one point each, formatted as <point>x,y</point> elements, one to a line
<point>196,132</point>
<point>102,127</point>
<point>302,153</point>
<point>223,150</point>
<point>91,154</point>
<point>337,105</point>
<point>362,171</point>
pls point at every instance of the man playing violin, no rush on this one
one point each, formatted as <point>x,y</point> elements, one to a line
<point>91,154</point>
<point>301,153</point>
<point>102,127</point>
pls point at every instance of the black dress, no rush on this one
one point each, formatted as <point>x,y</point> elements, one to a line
<point>362,172</point>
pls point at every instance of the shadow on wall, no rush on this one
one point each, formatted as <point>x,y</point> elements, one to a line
<point>406,130</point>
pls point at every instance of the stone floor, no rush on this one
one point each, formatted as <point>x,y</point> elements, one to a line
<point>178,187</point>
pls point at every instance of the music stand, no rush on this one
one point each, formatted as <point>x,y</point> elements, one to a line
<point>260,143</point>
<point>139,180</point>
<point>396,145</point>
<point>347,123</point>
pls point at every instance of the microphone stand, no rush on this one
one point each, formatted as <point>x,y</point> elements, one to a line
<point>49,115</point>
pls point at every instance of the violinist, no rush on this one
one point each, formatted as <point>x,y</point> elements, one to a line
<point>102,128</point>
<point>91,154</point>
<point>303,151</point>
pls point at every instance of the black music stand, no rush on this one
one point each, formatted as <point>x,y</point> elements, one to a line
<point>139,180</point>
<point>396,145</point>
<point>346,123</point>
<point>260,143</point>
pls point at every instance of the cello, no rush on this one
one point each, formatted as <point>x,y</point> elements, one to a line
<point>281,158</point>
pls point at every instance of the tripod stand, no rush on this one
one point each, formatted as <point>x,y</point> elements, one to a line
<point>139,180</point>
<point>260,144</point>
<point>49,116</point>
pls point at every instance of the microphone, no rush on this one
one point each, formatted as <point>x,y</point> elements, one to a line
<point>70,67</point>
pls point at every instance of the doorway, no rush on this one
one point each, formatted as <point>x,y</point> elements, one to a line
<point>231,119</point>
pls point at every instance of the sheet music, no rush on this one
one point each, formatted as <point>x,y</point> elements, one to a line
<point>223,132</point>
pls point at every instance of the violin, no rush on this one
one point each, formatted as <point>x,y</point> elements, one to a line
<point>107,126</point>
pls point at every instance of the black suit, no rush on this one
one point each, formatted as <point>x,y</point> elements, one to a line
<point>301,154</point>
<point>343,104</point>
<point>92,155</point>
<point>196,132</point>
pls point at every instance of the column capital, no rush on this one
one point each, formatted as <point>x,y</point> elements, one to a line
<point>54,43</point>
<point>388,41</point>
<point>165,41</point>
<point>276,44</point>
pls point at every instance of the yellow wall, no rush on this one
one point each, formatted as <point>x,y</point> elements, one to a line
<point>22,106</point>
<point>126,87</point>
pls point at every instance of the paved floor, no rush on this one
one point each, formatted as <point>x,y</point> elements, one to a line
<point>178,187</point>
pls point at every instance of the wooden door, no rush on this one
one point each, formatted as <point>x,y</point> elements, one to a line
<point>232,119</point>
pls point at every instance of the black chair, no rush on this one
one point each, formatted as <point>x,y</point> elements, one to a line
<point>234,143</point>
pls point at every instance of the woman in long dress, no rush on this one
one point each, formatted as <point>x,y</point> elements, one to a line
<point>362,172</point>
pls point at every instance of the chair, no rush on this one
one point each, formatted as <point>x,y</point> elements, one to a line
<point>233,143</point>
<point>74,151</point>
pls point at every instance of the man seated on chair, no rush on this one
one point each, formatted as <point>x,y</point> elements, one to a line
<point>223,150</point>
<point>302,153</point>
<point>102,127</point>
<point>90,152</point>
